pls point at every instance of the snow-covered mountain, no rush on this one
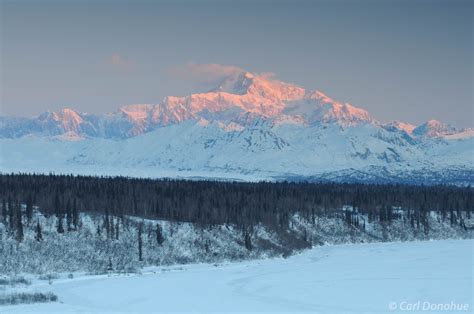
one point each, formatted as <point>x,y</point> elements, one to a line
<point>248,127</point>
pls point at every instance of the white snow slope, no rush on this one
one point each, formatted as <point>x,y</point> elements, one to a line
<point>250,127</point>
<point>362,278</point>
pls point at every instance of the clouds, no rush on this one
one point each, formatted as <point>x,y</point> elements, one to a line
<point>204,73</point>
<point>268,75</point>
<point>118,61</point>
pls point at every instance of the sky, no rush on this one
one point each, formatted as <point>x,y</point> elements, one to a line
<point>400,60</point>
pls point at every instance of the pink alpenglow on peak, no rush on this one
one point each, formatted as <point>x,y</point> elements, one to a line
<point>434,128</point>
<point>137,112</point>
<point>267,97</point>
<point>238,94</point>
<point>249,127</point>
<point>402,126</point>
<point>239,99</point>
<point>66,120</point>
<point>65,115</point>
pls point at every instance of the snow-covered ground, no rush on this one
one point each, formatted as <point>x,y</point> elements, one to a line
<point>362,278</point>
<point>247,128</point>
<point>264,152</point>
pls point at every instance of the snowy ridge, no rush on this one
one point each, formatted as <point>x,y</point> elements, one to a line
<point>249,127</point>
<point>238,95</point>
<point>434,128</point>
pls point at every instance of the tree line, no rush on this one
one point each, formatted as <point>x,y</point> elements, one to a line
<point>210,203</point>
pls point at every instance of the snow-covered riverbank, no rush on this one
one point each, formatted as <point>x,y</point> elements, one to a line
<point>375,278</point>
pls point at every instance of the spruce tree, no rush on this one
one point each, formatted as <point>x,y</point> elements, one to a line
<point>117,230</point>
<point>69,215</point>
<point>75,214</point>
<point>107,223</point>
<point>39,233</point>
<point>159,235</point>
<point>109,266</point>
<point>60,227</point>
<point>140,242</point>
<point>11,216</point>
<point>57,205</point>
<point>29,209</point>
<point>247,240</point>
<point>4,211</point>
<point>19,224</point>
<point>112,228</point>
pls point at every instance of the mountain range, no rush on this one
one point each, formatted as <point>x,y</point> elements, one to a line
<point>249,127</point>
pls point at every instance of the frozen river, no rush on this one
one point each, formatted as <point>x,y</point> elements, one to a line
<point>375,278</point>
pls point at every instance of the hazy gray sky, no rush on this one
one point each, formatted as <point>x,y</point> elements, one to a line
<point>405,60</point>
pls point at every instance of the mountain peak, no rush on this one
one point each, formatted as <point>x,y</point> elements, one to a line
<point>259,86</point>
<point>319,96</point>
<point>241,98</point>
<point>237,83</point>
<point>65,115</point>
<point>434,128</point>
<point>402,126</point>
<point>434,123</point>
<point>136,112</point>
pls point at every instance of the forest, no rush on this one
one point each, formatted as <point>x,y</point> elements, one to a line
<point>209,203</point>
<point>51,223</point>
